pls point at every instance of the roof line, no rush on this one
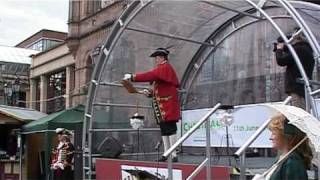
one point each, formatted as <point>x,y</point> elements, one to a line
<point>42,30</point>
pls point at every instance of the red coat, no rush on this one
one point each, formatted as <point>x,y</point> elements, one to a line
<point>165,90</point>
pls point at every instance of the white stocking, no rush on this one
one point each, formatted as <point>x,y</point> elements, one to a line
<point>166,143</point>
<point>173,139</point>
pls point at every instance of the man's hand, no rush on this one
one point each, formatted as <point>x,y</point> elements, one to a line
<point>280,45</point>
<point>146,92</point>
<point>127,77</point>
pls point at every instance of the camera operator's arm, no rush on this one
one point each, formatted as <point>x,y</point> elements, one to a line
<point>283,56</point>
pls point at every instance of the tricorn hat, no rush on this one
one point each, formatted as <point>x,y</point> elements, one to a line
<point>62,131</point>
<point>160,52</point>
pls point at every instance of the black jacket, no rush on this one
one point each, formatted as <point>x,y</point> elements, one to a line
<point>284,58</point>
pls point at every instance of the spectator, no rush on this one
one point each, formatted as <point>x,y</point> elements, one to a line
<point>285,58</point>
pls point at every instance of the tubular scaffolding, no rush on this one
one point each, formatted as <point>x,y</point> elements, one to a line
<point>222,51</point>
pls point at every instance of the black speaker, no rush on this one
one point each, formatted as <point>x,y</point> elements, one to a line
<point>109,148</point>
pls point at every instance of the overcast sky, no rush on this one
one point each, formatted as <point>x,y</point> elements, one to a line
<point>20,19</point>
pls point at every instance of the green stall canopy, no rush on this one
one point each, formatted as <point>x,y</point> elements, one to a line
<point>66,119</point>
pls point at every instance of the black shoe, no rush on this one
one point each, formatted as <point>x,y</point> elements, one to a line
<point>175,159</point>
<point>162,159</point>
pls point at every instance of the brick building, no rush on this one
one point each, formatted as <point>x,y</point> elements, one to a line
<point>89,25</point>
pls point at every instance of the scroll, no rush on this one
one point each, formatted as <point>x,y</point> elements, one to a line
<point>129,86</point>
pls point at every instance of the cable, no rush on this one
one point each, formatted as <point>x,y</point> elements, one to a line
<point>57,97</point>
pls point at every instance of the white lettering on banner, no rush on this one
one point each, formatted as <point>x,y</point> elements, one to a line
<point>246,121</point>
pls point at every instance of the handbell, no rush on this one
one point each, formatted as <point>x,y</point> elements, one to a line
<point>136,121</point>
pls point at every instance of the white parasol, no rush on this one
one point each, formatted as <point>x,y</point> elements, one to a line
<point>304,121</point>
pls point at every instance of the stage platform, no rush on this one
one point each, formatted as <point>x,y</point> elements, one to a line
<point>223,167</point>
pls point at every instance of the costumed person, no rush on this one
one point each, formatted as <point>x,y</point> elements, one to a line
<point>285,138</point>
<point>63,156</point>
<point>12,145</point>
<point>284,57</point>
<point>164,96</point>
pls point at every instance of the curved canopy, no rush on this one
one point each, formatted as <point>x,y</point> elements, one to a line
<point>221,50</point>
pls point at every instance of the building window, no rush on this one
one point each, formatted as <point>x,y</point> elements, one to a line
<point>56,90</point>
<point>43,44</point>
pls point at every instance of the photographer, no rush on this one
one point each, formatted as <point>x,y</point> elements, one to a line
<point>285,58</point>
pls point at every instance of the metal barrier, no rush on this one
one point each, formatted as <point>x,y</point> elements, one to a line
<point>241,151</point>
<point>207,161</point>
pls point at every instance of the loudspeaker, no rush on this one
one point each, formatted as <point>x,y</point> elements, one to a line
<point>110,148</point>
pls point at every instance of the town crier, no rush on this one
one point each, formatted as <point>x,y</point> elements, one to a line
<point>164,96</point>
<point>62,159</point>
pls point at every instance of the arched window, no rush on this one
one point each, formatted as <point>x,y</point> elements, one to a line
<point>88,68</point>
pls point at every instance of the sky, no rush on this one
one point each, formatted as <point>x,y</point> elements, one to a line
<point>19,19</point>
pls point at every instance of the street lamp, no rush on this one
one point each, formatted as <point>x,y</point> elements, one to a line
<point>7,93</point>
<point>15,91</point>
<point>16,85</point>
<point>11,92</point>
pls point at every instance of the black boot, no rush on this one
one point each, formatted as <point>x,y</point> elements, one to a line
<point>175,159</point>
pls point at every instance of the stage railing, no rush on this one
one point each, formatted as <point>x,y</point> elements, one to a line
<point>207,161</point>
<point>241,151</point>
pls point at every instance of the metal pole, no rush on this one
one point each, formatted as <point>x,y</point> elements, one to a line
<point>307,103</point>
<point>233,10</point>
<point>120,105</point>
<point>20,158</point>
<point>293,53</point>
<point>242,166</point>
<point>304,27</point>
<point>208,153</point>
<point>228,146</point>
<point>257,133</point>
<point>241,151</point>
<point>170,174</point>
<point>108,46</point>
<point>197,170</point>
<point>314,44</point>
<point>170,36</point>
<point>217,45</point>
<point>194,128</point>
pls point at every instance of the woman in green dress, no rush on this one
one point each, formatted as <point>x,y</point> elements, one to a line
<point>284,137</point>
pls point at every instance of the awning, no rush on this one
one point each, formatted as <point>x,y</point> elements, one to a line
<point>66,119</point>
<point>19,115</point>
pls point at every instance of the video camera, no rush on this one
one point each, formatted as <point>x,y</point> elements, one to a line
<point>280,40</point>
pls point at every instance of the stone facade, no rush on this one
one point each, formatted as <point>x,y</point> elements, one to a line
<point>45,65</point>
<point>89,25</point>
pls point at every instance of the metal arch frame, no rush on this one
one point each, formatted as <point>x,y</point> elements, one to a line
<point>291,49</point>
<point>299,65</point>
<point>195,73</point>
<point>219,29</point>
<point>109,44</point>
<point>311,38</point>
<point>303,26</point>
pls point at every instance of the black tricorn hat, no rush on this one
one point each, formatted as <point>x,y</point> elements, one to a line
<point>63,131</point>
<point>160,52</point>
